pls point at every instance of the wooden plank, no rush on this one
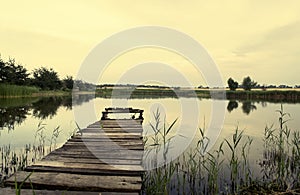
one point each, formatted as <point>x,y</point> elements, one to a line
<point>104,155</point>
<point>84,171</point>
<point>130,121</point>
<point>97,140</point>
<point>109,147</point>
<point>118,120</point>
<point>111,135</point>
<point>92,156</point>
<point>136,111</point>
<point>127,153</point>
<point>117,140</point>
<point>10,191</point>
<point>90,165</point>
<point>101,151</point>
<point>92,161</point>
<point>86,168</point>
<point>104,129</point>
<point>76,182</point>
<point>106,143</point>
<point>115,124</point>
<point>120,126</point>
<point>113,130</point>
<point>140,129</point>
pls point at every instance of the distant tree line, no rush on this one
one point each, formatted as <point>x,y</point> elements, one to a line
<point>13,73</point>
<point>248,84</point>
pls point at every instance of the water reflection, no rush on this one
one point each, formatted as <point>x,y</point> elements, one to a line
<point>232,105</point>
<point>248,106</point>
<point>12,116</point>
<point>14,111</point>
<point>47,107</point>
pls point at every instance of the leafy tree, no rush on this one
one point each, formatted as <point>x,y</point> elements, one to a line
<point>11,73</point>
<point>84,86</point>
<point>68,82</point>
<point>248,84</point>
<point>46,79</point>
<point>2,70</point>
<point>232,84</point>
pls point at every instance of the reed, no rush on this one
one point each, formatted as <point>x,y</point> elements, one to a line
<point>227,169</point>
<point>13,160</point>
<point>7,90</point>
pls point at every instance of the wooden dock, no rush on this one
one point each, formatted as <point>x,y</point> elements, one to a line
<point>104,158</point>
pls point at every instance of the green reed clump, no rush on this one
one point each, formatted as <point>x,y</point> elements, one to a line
<point>12,160</point>
<point>53,139</point>
<point>280,164</point>
<point>227,169</point>
<point>157,181</point>
<point>240,173</point>
<point>7,90</point>
<point>213,165</point>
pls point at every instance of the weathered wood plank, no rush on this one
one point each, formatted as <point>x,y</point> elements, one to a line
<point>111,148</point>
<point>76,182</point>
<point>88,165</point>
<point>100,151</point>
<point>105,139</point>
<point>97,140</point>
<point>120,126</point>
<point>92,161</point>
<point>110,137</point>
<point>105,143</point>
<point>10,191</point>
<point>97,130</point>
<point>83,171</point>
<point>86,168</point>
<point>109,134</point>
<point>103,155</point>
<point>133,122</point>
<point>91,156</point>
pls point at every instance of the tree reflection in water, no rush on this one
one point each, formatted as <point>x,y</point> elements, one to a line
<point>248,106</point>
<point>232,104</point>
<point>47,107</point>
<point>12,116</point>
<point>14,111</point>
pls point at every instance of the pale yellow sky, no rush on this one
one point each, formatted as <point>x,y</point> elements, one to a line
<point>260,38</point>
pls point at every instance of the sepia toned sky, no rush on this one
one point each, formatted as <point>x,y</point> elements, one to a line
<point>259,38</point>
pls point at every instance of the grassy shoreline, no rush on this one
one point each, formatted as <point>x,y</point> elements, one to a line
<point>274,95</point>
<point>268,95</point>
<point>15,91</point>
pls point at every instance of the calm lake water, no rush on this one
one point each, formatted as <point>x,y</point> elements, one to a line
<point>20,118</point>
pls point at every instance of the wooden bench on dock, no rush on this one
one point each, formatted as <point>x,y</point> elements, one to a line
<point>105,158</point>
<point>122,111</point>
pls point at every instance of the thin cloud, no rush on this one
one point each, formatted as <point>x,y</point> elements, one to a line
<point>285,38</point>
